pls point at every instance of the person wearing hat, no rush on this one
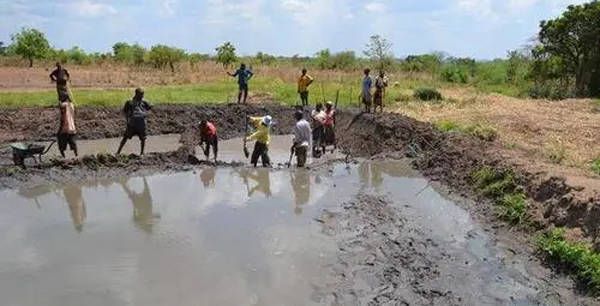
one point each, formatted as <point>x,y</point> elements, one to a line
<point>262,137</point>
<point>135,111</point>
<point>208,136</point>
<point>302,138</point>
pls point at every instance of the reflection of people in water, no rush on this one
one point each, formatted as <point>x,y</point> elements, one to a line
<point>74,197</point>
<point>376,175</point>
<point>364,174</point>
<point>207,176</point>
<point>262,178</point>
<point>143,215</point>
<point>301,186</point>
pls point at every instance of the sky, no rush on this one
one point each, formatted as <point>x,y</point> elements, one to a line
<point>482,29</point>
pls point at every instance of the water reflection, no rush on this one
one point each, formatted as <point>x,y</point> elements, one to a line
<point>207,176</point>
<point>300,180</point>
<point>261,178</point>
<point>74,197</point>
<point>143,215</point>
<point>371,174</point>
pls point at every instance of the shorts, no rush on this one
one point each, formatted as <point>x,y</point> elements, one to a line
<point>66,139</point>
<point>243,87</point>
<point>378,98</point>
<point>136,127</point>
<point>304,95</point>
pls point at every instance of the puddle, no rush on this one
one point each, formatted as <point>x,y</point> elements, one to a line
<point>221,237</point>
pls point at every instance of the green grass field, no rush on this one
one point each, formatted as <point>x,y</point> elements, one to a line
<point>224,91</point>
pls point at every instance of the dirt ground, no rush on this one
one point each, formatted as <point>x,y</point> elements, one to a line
<point>446,158</point>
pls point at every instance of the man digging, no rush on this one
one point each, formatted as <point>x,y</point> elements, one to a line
<point>262,137</point>
<point>302,139</point>
<point>208,136</point>
<point>67,131</point>
<point>135,111</point>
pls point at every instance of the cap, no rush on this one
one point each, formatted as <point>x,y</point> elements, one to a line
<point>267,120</point>
<point>329,103</point>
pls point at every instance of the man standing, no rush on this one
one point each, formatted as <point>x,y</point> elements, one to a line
<point>318,118</point>
<point>329,126</point>
<point>262,137</point>
<point>135,111</point>
<point>208,136</point>
<point>303,82</point>
<point>302,138</point>
<point>367,84</point>
<point>380,84</point>
<point>244,75</point>
<point>67,131</point>
<point>61,77</point>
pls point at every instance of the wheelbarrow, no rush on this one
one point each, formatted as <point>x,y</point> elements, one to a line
<point>21,151</point>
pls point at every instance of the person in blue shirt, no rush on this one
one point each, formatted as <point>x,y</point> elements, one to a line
<point>244,75</point>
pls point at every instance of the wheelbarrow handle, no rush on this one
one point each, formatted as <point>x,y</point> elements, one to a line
<point>49,146</point>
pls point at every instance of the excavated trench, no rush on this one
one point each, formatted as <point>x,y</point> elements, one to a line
<point>169,228</point>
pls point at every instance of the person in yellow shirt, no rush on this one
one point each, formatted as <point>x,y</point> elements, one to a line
<point>262,137</point>
<point>303,82</point>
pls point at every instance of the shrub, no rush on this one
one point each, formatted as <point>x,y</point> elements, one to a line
<point>494,183</point>
<point>482,132</point>
<point>596,165</point>
<point>427,94</point>
<point>577,257</point>
<point>513,208</point>
<point>556,151</point>
<point>447,125</point>
<point>454,74</point>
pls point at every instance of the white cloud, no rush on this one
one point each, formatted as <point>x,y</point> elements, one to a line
<point>223,11</point>
<point>88,8</point>
<point>168,7</point>
<point>375,7</point>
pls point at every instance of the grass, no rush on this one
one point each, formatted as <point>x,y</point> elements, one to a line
<point>502,187</point>
<point>578,258</point>
<point>596,166</point>
<point>480,131</point>
<point>555,151</point>
<point>224,90</point>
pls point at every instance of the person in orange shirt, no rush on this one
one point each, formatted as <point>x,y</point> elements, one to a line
<point>208,136</point>
<point>67,131</point>
<point>303,82</point>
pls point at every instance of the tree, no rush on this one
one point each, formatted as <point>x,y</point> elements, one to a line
<point>323,59</point>
<point>30,44</point>
<point>161,56</point>
<point>572,41</point>
<point>226,54</point>
<point>379,50</point>
<point>264,58</point>
<point>131,54</point>
<point>2,49</point>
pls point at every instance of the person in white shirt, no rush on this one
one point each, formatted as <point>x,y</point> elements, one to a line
<point>318,118</point>
<point>302,139</point>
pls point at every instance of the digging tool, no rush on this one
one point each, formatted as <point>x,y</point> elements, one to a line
<point>246,153</point>
<point>292,151</point>
<point>337,97</point>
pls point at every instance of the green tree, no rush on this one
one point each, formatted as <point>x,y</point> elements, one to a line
<point>130,54</point>
<point>264,58</point>
<point>379,50</point>
<point>161,56</point>
<point>572,41</point>
<point>226,54</point>
<point>343,60</point>
<point>323,59</point>
<point>30,44</point>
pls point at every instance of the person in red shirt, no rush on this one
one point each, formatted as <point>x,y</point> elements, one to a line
<point>208,136</point>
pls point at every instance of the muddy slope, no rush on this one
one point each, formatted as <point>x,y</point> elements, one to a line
<point>451,158</point>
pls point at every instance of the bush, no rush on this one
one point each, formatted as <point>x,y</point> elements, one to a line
<point>549,90</point>
<point>455,74</point>
<point>596,165</point>
<point>494,183</point>
<point>427,94</point>
<point>447,126</point>
<point>513,208</point>
<point>579,258</point>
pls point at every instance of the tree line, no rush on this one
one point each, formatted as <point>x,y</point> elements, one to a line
<point>564,61</point>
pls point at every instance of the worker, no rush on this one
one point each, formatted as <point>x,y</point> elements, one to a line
<point>381,83</point>
<point>61,77</point>
<point>302,139</point>
<point>367,84</point>
<point>318,118</point>
<point>67,131</point>
<point>329,126</point>
<point>244,75</point>
<point>303,82</point>
<point>208,136</point>
<point>135,111</point>
<point>262,137</point>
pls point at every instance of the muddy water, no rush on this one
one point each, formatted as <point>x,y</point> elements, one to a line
<point>228,237</point>
<point>155,143</point>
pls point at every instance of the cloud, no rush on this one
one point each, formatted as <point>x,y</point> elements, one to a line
<point>168,7</point>
<point>375,7</point>
<point>88,8</point>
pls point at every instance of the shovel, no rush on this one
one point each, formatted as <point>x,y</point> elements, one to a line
<point>246,153</point>
<point>289,163</point>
